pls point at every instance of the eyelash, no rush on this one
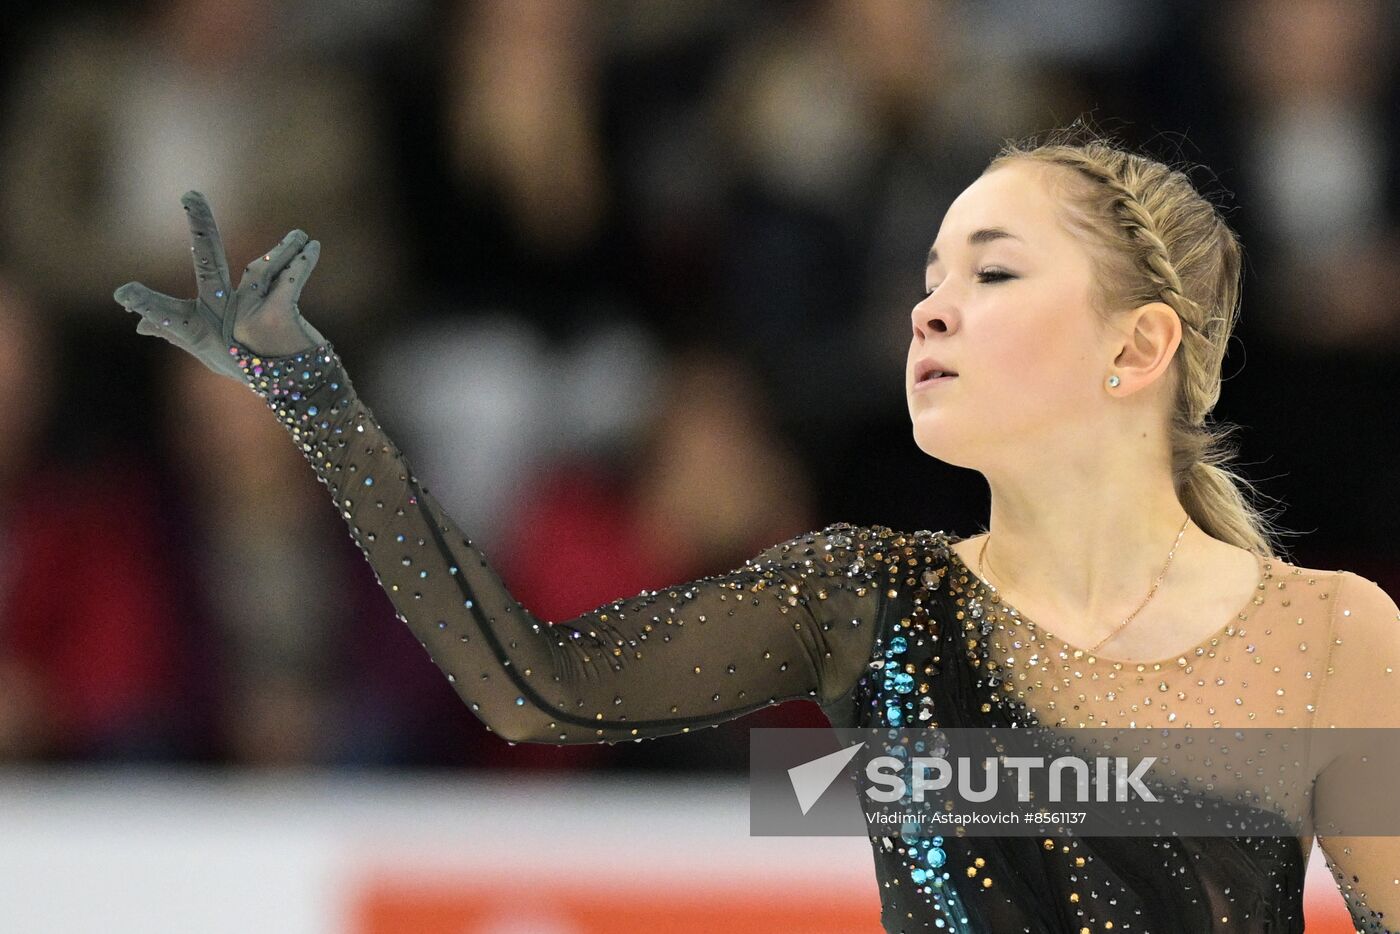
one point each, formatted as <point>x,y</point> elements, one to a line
<point>1000,277</point>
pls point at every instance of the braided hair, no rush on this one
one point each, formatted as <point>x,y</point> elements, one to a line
<point>1154,238</point>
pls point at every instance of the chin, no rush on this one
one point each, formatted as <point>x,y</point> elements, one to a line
<point>947,443</point>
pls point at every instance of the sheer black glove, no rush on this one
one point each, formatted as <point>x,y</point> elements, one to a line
<point>260,316</point>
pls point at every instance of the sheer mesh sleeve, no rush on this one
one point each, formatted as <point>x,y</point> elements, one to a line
<point>797,621</point>
<point>1362,689</point>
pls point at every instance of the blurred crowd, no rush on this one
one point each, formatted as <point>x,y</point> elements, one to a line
<point>629,281</point>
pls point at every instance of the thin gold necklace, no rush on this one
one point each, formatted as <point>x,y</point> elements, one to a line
<point>982,556</point>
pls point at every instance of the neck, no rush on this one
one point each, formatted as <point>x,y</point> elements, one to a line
<point>1087,539</point>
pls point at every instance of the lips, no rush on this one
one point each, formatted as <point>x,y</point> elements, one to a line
<point>931,370</point>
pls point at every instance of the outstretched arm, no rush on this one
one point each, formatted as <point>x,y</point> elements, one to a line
<point>797,621</point>
<point>794,622</point>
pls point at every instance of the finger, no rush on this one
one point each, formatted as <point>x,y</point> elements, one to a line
<point>301,269</point>
<point>136,297</point>
<point>260,272</point>
<point>293,279</point>
<point>210,266</point>
<point>132,294</point>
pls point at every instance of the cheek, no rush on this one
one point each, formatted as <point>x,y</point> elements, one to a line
<point>1033,366</point>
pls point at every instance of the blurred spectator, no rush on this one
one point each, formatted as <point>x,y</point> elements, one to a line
<point>89,645</point>
<point>498,124</point>
<point>1315,95</point>
<point>216,611</point>
<point>707,485</point>
<point>476,403</point>
<point>522,115</point>
<point>113,118</point>
<point>300,656</point>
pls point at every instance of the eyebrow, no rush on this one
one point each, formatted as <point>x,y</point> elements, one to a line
<point>985,235</point>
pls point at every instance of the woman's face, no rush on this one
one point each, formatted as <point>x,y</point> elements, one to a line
<point>1011,316</point>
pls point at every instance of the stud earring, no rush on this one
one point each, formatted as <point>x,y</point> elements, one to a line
<point>1113,381</point>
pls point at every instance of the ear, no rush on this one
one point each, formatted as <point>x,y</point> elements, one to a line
<point>1150,335</point>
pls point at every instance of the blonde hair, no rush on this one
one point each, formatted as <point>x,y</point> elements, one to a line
<point>1154,237</point>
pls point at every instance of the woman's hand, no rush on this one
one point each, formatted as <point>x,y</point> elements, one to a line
<point>261,315</point>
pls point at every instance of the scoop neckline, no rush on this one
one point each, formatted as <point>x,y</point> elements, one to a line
<point>1260,564</point>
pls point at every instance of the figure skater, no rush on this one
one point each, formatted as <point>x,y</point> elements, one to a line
<point>1079,302</point>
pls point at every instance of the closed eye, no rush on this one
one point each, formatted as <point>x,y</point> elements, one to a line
<point>985,275</point>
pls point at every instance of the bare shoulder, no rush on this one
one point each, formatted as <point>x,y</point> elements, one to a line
<point>1365,630</point>
<point>1363,658</point>
<point>1330,580</point>
<point>1361,597</point>
<point>1356,596</point>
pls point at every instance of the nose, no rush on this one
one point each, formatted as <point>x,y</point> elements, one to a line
<point>931,316</point>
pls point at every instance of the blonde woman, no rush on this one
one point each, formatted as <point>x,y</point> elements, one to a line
<point>1079,301</point>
